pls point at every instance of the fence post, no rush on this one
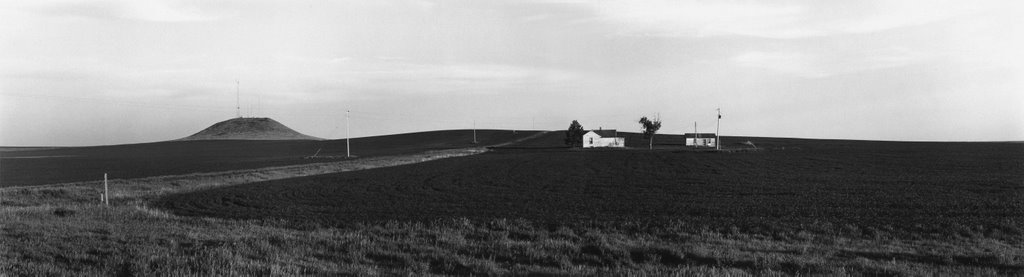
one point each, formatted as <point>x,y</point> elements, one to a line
<point>106,192</point>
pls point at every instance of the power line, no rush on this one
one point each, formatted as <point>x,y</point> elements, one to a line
<point>513,121</point>
<point>524,120</point>
<point>75,99</point>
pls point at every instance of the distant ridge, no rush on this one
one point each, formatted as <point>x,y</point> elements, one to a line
<point>257,128</point>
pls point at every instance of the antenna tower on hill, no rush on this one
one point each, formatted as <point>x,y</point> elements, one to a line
<point>238,107</point>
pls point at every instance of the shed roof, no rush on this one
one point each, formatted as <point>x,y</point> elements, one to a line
<point>702,135</point>
<point>605,133</point>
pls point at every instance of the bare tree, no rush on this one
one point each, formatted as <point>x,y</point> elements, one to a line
<point>650,127</point>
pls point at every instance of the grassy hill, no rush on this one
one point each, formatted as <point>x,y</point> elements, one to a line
<point>248,128</point>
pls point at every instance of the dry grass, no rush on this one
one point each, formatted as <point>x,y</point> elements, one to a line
<point>135,240</point>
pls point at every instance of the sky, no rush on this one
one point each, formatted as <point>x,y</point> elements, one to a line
<point>75,73</point>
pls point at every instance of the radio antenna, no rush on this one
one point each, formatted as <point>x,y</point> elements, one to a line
<point>238,107</point>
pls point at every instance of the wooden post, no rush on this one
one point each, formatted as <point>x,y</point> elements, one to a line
<point>106,191</point>
<point>348,136</point>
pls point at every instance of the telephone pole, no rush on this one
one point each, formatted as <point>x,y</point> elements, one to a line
<point>348,136</point>
<point>474,131</point>
<point>718,127</point>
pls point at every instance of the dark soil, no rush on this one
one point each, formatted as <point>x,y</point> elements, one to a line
<point>852,186</point>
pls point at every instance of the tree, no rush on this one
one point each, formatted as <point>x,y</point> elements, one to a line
<point>649,128</point>
<point>574,136</point>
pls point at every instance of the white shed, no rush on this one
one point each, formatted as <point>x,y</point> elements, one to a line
<point>701,139</point>
<point>603,138</point>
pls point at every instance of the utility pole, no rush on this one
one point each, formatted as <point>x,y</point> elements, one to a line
<point>474,132</point>
<point>695,134</point>
<point>718,127</point>
<point>238,105</point>
<point>348,136</point>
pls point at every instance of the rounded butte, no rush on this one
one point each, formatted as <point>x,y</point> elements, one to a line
<point>249,128</point>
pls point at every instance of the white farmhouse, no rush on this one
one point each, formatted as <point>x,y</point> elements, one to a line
<point>603,138</point>
<point>701,139</point>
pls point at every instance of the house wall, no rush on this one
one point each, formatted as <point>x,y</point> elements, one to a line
<point>594,140</point>
<point>703,142</point>
<point>589,139</point>
<point>610,142</point>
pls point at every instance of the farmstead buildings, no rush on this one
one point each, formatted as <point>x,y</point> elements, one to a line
<point>701,139</point>
<point>603,138</point>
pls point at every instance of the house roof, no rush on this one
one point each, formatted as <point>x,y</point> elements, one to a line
<point>606,132</point>
<point>702,135</point>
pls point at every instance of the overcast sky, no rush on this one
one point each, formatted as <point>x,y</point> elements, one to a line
<point>112,72</point>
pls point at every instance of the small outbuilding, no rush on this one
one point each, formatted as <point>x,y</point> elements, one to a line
<point>603,138</point>
<point>701,139</point>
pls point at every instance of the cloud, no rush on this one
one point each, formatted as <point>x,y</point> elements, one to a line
<point>142,10</point>
<point>696,18</point>
<point>397,74</point>
<point>779,20</point>
<point>783,62</point>
<point>809,64</point>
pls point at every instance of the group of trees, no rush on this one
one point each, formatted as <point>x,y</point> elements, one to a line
<point>649,127</point>
<point>574,136</point>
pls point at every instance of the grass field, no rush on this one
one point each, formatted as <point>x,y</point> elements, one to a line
<point>795,207</point>
<point>28,167</point>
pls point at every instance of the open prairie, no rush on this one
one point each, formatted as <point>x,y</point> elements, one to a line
<point>27,166</point>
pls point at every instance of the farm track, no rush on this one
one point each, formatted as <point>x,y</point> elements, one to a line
<point>924,186</point>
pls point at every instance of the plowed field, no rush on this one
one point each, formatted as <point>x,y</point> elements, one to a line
<point>792,182</point>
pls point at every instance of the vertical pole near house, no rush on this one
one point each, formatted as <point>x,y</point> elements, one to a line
<point>348,136</point>
<point>695,134</point>
<point>718,127</point>
<point>106,191</point>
